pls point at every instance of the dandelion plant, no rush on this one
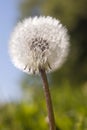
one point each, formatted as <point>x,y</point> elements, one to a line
<point>40,45</point>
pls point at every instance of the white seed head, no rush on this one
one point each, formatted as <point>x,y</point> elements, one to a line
<point>39,42</point>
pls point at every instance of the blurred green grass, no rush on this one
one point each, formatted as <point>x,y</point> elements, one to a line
<point>70,107</point>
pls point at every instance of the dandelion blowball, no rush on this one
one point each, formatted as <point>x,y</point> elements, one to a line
<point>39,42</point>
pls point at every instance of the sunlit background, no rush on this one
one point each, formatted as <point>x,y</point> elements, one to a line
<point>22,105</point>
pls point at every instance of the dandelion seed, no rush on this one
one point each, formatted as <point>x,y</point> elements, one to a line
<point>40,45</point>
<point>39,42</point>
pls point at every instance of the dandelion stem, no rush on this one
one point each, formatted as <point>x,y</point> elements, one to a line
<point>48,99</point>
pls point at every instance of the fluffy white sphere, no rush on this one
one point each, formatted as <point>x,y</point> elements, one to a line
<point>39,42</point>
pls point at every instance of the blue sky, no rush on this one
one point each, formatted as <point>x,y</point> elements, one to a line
<point>9,75</point>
